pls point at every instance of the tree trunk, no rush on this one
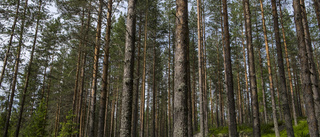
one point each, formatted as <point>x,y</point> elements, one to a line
<point>305,71</point>
<point>181,87</point>
<point>126,115</point>
<point>95,71</point>
<point>202,128</point>
<point>288,68</point>
<point>312,66</point>
<point>317,10</point>
<point>136,92</point>
<point>252,75</point>
<point>16,70</point>
<point>274,109</point>
<point>104,91</point>
<point>264,102</point>
<point>153,117</point>
<point>283,91</point>
<point>169,85</point>
<point>228,72</point>
<point>26,84</point>
<point>142,104</point>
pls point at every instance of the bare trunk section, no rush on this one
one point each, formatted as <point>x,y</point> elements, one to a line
<point>136,92</point>
<point>312,66</point>
<point>202,125</point>
<point>283,88</point>
<point>95,71</point>
<point>274,109</point>
<point>104,92</point>
<point>181,87</point>
<point>288,69</point>
<point>16,70</point>
<point>252,73</point>
<point>126,115</point>
<point>305,71</point>
<point>228,72</point>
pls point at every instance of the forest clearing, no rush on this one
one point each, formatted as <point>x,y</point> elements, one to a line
<point>159,68</point>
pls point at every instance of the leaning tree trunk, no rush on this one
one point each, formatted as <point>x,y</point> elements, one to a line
<point>181,87</point>
<point>274,109</point>
<point>305,72</point>
<point>26,84</point>
<point>317,10</point>
<point>283,91</point>
<point>126,116</point>
<point>252,73</point>
<point>228,72</point>
<point>16,70</point>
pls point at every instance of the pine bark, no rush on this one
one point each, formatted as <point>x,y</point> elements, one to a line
<point>288,69</point>
<point>252,73</point>
<point>228,72</point>
<point>273,103</point>
<point>181,87</point>
<point>104,91</point>
<point>305,71</point>
<point>317,10</point>
<point>127,92</point>
<point>283,88</point>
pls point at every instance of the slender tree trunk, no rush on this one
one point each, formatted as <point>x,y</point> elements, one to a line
<point>220,89</point>
<point>228,72</point>
<point>142,104</point>
<point>305,71</point>
<point>285,105</point>
<point>274,109</point>
<point>312,66</point>
<point>189,101</point>
<point>26,84</point>
<point>288,68</point>
<point>95,71</point>
<point>16,70</point>
<point>169,85</point>
<point>153,117</point>
<point>181,87</point>
<point>194,95</point>
<point>126,115</point>
<point>136,92</point>
<point>248,115</point>
<point>252,75</point>
<point>264,102</point>
<point>104,91</point>
<point>202,128</point>
<point>240,119</point>
<point>5,61</point>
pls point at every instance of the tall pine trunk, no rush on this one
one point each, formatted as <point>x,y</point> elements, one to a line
<point>181,87</point>
<point>104,91</point>
<point>252,72</point>
<point>273,103</point>
<point>305,72</point>
<point>127,93</point>
<point>95,71</point>
<point>228,72</point>
<point>283,88</point>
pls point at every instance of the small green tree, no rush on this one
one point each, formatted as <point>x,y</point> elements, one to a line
<point>38,122</point>
<point>66,127</point>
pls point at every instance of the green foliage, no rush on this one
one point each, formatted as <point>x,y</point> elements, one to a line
<point>66,127</point>
<point>36,128</point>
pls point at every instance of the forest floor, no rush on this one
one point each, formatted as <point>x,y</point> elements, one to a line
<point>267,130</point>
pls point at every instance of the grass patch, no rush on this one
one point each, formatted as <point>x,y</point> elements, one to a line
<point>301,130</point>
